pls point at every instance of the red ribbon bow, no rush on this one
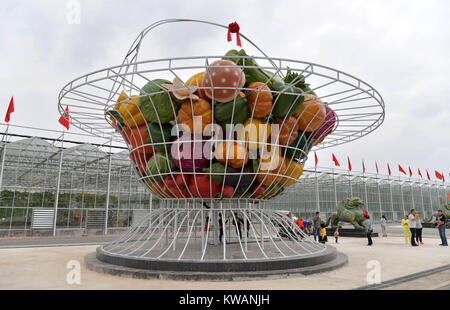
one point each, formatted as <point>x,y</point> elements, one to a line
<point>234,28</point>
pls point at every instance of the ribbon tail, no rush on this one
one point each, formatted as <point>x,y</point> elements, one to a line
<point>229,35</point>
<point>238,39</point>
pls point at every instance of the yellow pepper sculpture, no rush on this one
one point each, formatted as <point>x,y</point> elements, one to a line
<point>293,172</point>
<point>129,110</point>
<point>255,133</point>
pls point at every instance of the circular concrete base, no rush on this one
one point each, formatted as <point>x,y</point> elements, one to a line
<point>214,271</point>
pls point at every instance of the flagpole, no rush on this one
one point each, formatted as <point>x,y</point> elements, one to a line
<point>421,199</point>
<point>379,196</point>
<point>335,190</point>
<point>429,191</point>
<point>3,156</point>
<point>58,185</point>
<point>401,190</point>
<point>350,183</point>
<point>317,189</point>
<point>365,189</point>
<point>412,192</point>
<point>394,214</point>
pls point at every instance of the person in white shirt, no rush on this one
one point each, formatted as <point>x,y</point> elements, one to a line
<point>412,226</point>
<point>418,230</point>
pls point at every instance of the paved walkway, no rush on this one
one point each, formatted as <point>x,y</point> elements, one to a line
<point>434,279</point>
<point>437,281</point>
<point>28,242</point>
<point>11,242</point>
<point>46,268</point>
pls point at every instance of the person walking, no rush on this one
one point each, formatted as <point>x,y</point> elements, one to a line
<point>412,226</point>
<point>237,223</point>
<point>440,225</point>
<point>383,223</point>
<point>221,228</point>
<point>368,229</point>
<point>418,230</point>
<point>323,234</point>
<point>336,234</point>
<point>300,225</point>
<point>406,231</point>
<point>316,225</point>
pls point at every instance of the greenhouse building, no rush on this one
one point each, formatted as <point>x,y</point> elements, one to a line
<point>94,187</point>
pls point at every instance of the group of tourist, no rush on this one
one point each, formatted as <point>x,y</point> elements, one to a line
<point>412,227</point>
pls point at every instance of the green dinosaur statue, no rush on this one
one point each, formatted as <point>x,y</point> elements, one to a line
<point>350,212</point>
<point>445,210</point>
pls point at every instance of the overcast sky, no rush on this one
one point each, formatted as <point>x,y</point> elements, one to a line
<point>402,48</point>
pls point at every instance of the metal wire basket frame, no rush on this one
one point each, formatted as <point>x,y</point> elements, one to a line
<point>182,232</point>
<point>176,231</point>
<point>124,76</point>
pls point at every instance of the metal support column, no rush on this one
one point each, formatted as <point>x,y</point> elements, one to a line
<point>202,228</point>
<point>245,230</point>
<point>262,230</point>
<point>174,232</point>
<point>58,185</point>
<point>150,211</point>
<point>108,189</point>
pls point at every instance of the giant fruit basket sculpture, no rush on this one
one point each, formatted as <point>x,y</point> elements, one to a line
<point>229,129</point>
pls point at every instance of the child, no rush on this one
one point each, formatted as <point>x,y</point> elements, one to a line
<point>323,234</point>
<point>336,234</point>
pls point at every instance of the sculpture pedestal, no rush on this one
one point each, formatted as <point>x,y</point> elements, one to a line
<point>350,232</point>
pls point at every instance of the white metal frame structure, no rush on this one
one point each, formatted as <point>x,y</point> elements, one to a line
<point>353,109</point>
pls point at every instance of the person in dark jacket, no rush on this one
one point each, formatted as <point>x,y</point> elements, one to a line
<point>368,229</point>
<point>440,225</point>
<point>317,225</point>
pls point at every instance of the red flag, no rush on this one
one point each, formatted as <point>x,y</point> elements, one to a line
<point>428,176</point>
<point>64,119</point>
<point>364,167</point>
<point>401,169</point>
<point>336,163</point>
<point>349,164</point>
<point>420,173</point>
<point>410,172</point>
<point>315,158</point>
<point>438,175</point>
<point>10,110</point>
<point>389,170</point>
<point>376,166</point>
